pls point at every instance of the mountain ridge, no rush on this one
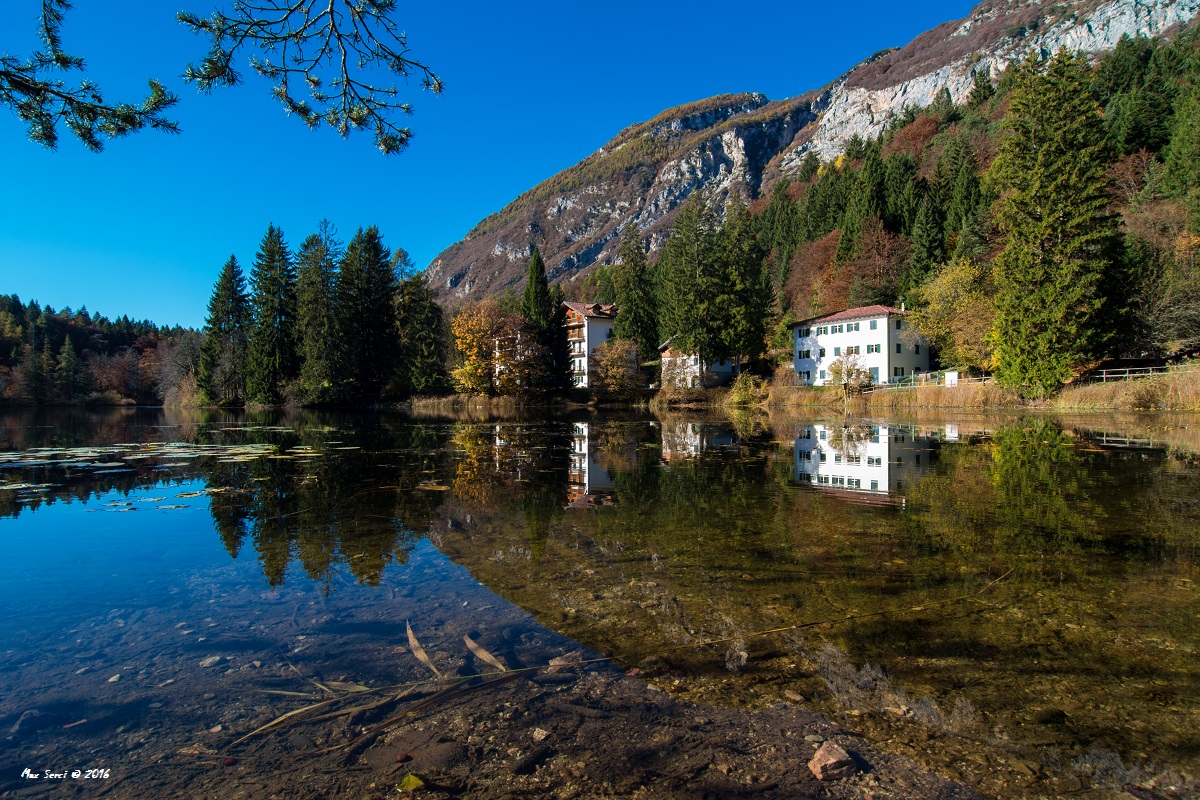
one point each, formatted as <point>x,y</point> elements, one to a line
<point>740,144</point>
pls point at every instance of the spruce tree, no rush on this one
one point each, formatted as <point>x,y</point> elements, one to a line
<point>68,373</point>
<point>419,320</point>
<point>744,301</point>
<point>271,361</point>
<point>981,91</point>
<point>536,306</point>
<point>809,166</point>
<point>928,244</point>
<point>866,201</point>
<point>637,311</point>
<point>316,324</point>
<point>688,278</point>
<point>1182,172</point>
<point>222,376</point>
<point>365,302</point>
<point>1060,243</point>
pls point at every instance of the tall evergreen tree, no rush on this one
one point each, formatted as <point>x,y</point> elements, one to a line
<point>316,323</point>
<point>1182,172</point>
<point>866,201</point>
<point>271,361</point>
<point>536,305</point>
<point>928,244</point>
<point>69,374</point>
<point>222,377</point>
<point>981,91</point>
<point>1061,244</point>
<point>688,275</point>
<point>365,301</point>
<point>422,369</point>
<point>637,308</point>
<point>745,297</point>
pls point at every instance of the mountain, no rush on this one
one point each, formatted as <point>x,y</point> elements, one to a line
<point>741,144</point>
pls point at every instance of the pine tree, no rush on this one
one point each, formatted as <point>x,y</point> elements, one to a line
<point>422,369</point>
<point>866,201</point>
<point>222,377</point>
<point>1183,153</point>
<point>637,312</point>
<point>540,308</point>
<point>316,325</point>
<point>536,306</point>
<point>69,372</point>
<point>271,362</point>
<point>809,166</point>
<point>365,302</point>
<point>689,279</point>
<point>744,301</point>
<point>981,91</point>
<point>901,192</point>
<point>928,244</point>
<point>1061,244</point>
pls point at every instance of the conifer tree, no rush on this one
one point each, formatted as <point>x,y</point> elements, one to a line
<point>1183,152</point>
<point>866,201</point>
<point>1061,244</point>
<point>688,278</point>
<point>928,244</point>
<point>422,348</point>
<point>809,166</point>
<point>637,312</point>
<point>222,376</point>
<point>365,303</point>
<point>901,192</point>
<point>744,301</point>
<point>316,324</point>
<point>536,306</point>
<point>981,91</point>
<point>271,361</point>
<point>69,372</point>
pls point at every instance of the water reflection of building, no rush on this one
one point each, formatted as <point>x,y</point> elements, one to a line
<point>685,439</point>
<point>865,463</point>
<point>590,483</point>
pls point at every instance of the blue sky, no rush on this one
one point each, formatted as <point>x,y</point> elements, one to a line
<point>143,228</point>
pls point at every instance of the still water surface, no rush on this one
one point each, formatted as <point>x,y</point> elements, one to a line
<point>1023,582</point>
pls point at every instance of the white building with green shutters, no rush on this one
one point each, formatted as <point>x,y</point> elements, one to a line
<point>879,336</point>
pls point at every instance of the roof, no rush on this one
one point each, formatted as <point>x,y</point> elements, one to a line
<point>850,313</point>
<point>593,310</point>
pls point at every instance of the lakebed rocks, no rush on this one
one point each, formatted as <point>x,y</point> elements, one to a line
<point>831,763</point>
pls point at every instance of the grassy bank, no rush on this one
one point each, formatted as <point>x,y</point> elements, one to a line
<point>1172,391</point>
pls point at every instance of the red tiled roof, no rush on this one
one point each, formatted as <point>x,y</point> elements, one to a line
<point>594,310</point>
<point>849,313</point>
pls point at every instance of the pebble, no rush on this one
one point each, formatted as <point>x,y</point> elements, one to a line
<point>832,763</point>
<point>115,678</point>
<point>814,737</point>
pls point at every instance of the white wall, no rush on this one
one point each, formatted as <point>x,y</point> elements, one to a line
<point>835,342</point>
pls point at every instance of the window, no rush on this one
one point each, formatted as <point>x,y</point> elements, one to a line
<point>610,333</point>
<point>822,457</point>
<point>898,372</point>
<point>804,332</point>
<point>822,434</point>
<point>874,324</point>
<point>856,326</point>
<point>837,351</point>
<point>898,347</point>
<point>822,376</point>
<point>837,458</point>
<point>852,351</point>
<point>897,324</point>
<point>875,486</point>
<point>917,349</point>
<point>821,354</point>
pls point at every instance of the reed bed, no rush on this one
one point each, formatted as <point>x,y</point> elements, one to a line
<point>1174,391</point>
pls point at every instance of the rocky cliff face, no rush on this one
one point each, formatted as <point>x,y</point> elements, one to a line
<point>739,144</point>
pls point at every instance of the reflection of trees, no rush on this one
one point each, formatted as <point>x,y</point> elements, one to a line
<point>849,437</point>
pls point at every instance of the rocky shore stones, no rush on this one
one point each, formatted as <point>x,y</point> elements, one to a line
<point>832,763</point>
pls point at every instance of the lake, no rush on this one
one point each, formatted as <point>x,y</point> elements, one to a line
<point>1008,601</point>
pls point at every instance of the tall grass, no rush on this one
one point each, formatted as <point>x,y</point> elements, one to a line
<point>1175,391</point>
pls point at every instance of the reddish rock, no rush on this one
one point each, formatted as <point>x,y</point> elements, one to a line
<point>832,763</point>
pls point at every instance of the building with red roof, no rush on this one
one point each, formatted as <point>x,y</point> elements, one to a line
<point>878,338</point>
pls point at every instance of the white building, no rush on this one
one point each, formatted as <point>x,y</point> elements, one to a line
<point>590,483</point>
<point>878,335</point>
<point>682,370</point>
<point>589,325</point>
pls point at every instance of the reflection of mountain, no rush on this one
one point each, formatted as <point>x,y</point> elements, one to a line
<point>865,463</point>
